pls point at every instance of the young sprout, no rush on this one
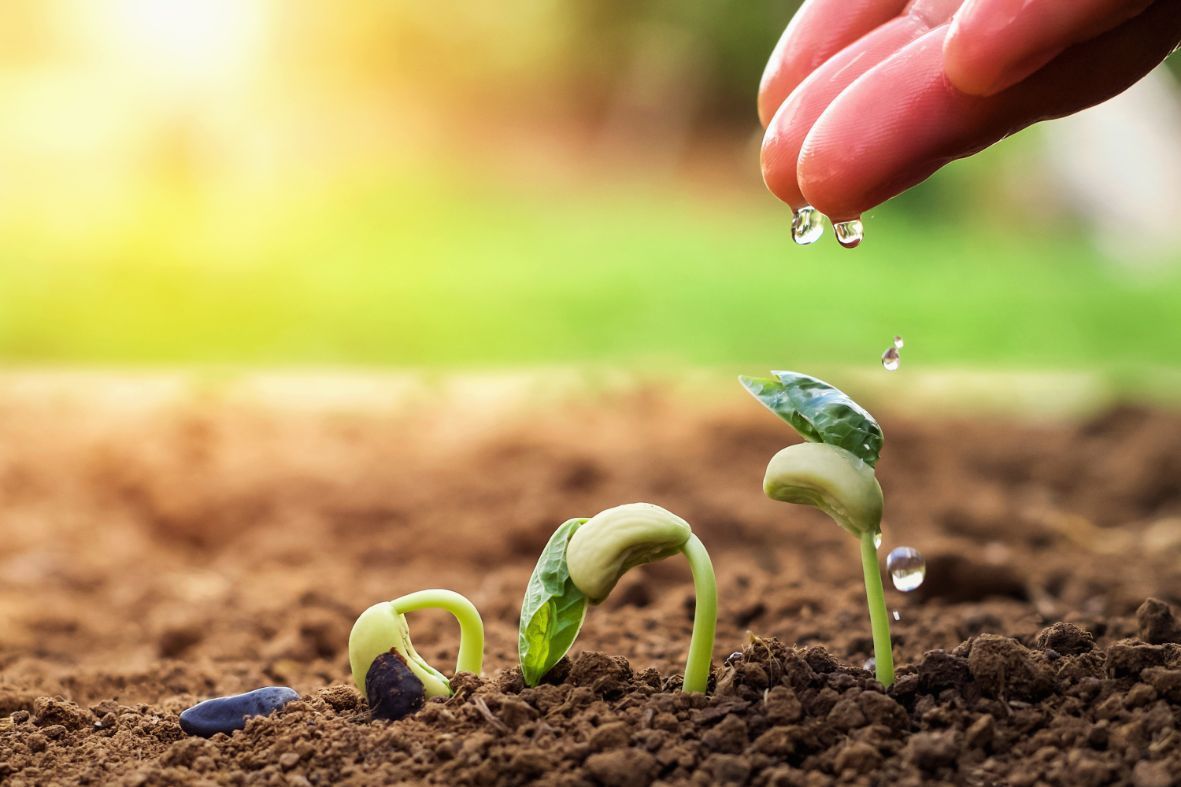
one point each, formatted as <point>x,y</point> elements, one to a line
<point>583,561</point>
<point>835,473</point>
<point>382,629</point>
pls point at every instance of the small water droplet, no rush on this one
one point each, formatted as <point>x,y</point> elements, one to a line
<point>898,343</point>
<point>871,664</point>
<point>891,359</point>
<point>897,615</point>
<point>907,568</point>
<point>807,225</point>
<point>877,540</point>
<point>849,233</point>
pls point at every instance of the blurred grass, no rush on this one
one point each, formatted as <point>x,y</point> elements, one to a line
<point>430,273</point>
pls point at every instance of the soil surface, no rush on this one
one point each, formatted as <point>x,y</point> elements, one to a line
<point>154,553</point>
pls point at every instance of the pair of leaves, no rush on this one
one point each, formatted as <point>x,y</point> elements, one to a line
<point>553,610</point>
<point>820,412</point>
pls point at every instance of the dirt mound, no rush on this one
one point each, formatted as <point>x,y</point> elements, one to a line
<point>989,711</point>
<point>151,557</point>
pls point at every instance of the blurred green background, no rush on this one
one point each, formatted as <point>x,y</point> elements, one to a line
<point>244,182</point>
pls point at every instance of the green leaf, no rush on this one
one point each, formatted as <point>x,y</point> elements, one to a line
<point>553,610</point>
<point>820,412</point>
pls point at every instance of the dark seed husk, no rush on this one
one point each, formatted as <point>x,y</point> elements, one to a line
<point>393,691</point>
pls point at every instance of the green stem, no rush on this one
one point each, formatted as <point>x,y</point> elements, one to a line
<point>705,616</point>
<point>879,620</point>
<point>471,628</point>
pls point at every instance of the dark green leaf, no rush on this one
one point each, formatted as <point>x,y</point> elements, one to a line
<point>819,412</point>
<point>553,610</point>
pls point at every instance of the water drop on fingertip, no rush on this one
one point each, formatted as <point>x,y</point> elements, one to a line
<point>849,233</point>
<point>807,225</point>
<point>891,359</point>
<point>907,568</point>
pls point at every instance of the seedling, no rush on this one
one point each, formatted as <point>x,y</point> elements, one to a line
<point>582,563</point>
<point>834,472</point>
<point>382,630</point>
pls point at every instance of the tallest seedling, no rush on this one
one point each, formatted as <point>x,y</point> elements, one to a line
<point>834,472</point>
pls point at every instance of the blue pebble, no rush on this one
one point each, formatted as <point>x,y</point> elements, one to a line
<point>226,714</point>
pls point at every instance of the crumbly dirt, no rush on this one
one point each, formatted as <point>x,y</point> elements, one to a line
<point>153,555</point>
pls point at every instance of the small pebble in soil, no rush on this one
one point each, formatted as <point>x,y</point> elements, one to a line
<point>907,568</point>
<point>226,714</point>
<point>392,689</point>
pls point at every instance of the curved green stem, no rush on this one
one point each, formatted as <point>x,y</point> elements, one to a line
<point>471,627</point>
<point>705,616</point>
<point>879,620</point>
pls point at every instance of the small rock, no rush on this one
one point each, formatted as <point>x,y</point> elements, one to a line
<point>1167,682</point>
<point>288,760</point>
<point>393,691</point>
<point>622,767</point>
<point>941,670</point>
<point>1128,657</point>
<point>857,757</point>
<point>933,750</point>
<point>226,714</point>
<point>1005,669</point>
<point>1157,623</point>
<point>1066,639</point>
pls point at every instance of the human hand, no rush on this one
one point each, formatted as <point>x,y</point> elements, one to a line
<point>863,99</point>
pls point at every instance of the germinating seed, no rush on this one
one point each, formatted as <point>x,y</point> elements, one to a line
<point>392,689</point>
<point>907,568</point>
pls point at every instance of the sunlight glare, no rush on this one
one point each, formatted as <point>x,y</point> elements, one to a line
<point>188,40</point>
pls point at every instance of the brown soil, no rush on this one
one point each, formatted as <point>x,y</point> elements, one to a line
<point>153,556</point>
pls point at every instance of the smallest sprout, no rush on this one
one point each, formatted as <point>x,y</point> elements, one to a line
<point>382,628</point>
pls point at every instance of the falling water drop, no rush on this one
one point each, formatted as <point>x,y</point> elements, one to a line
<point>807,225</point>
<point>898,343</point>
<point>907,568</point>
<point>891,359</point>
<point>849,233</point>
<point>897,615</point>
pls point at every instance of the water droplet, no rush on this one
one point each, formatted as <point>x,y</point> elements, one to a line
<point>807,225</point>
<point>891,359</point>
<point>849,233</point>
<point>897,615</point>
<point>871,664</point>
<point>734,658</point>
<point>907,568</point>
<point>877,540</point>
<point>898,343</point>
